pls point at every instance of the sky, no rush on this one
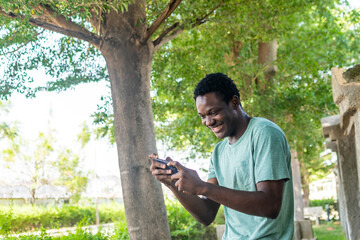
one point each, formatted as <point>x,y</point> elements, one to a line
<point>65,112</point>
<point>354,3</point>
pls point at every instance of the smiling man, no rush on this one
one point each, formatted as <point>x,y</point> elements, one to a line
<point>249,173</point>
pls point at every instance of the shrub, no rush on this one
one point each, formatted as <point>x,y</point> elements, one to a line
<point>5,221</point>
<point>220,217</point>
<point>80,234</point>
<point>321,203</point>
<point>27,218</point>
<point>120,232</point>
<point>184,226</point>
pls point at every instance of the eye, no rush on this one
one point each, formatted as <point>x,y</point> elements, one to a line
<point>214,113</point>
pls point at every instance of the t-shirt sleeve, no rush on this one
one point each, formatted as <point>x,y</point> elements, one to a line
<point>271,155</point>
<point>211,169</point>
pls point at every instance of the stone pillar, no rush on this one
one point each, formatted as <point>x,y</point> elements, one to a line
<point>349,184</point>
<point>344,131</point>
<point>347,174</point>
<point>298,198</point>
<point>357,144</point>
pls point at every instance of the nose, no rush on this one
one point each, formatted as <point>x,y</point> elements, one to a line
<point>208,121</point>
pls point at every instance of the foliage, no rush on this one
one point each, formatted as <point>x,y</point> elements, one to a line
<point>104,119</point>
<point>120,231</point>
<point>8,133</point>
<point>220,217</point>
<point>30,163</point>
<point>333,204</point>
<point>25,48</point>
<point>297,99</point>
<point>80,234</point>
<point>299,96</point>
<point>85,135</point>
<point>71,176</point>
<point>71,61</point>
<point>37,164</point>
<point>25,218</point>
<point>7,130</point>
<point>184,226</point>
<point>6,220</point>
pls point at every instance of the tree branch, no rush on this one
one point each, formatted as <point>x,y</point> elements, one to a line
<point>162,39</point>
<point>59,20</point>
<point>83,35</point>
<point>202,20</point>
<point>173,4</point>
<point>58,23</point>
<point>21,46</point>
<point>166,32</point>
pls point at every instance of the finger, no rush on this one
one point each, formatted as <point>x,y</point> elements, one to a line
<point>152,165</point>
<point>177,165</point>
<point>176,176</point>
<point>177,184</point>
<point>160,163</point>
<point>157,171</point>
<point>157,163</point>
<point>163,177</point>
<point>153,155</point>
<point>180,189</point>
<point>155,166</point>
<point>174,163</point>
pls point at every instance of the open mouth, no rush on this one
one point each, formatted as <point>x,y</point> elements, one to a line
<point>217,128</point>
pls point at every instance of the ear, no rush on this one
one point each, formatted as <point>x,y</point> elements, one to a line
<point>235,102</point>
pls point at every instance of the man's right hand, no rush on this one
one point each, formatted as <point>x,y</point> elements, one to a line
<point>162,175</point>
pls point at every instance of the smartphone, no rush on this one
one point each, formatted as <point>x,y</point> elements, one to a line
<point>172,168</point>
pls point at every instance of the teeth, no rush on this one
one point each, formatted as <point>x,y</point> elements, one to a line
<point>215,128</point>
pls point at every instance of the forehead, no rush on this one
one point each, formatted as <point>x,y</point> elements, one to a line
<point>208,101</point>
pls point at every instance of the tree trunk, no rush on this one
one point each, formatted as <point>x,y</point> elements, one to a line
<point>129,66</point>
<point>33,195</point>
<point>298,198</point>
<point>267,52</point>
<point>305,185</point>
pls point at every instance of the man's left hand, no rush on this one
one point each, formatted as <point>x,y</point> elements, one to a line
<point>187,180</point>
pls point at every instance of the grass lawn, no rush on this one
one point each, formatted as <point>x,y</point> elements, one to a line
<point>329,231</point>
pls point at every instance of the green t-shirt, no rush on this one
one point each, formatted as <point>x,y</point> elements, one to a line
<point>262,153</point>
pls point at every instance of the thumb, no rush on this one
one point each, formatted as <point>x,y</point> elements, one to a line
<point>177,165</point>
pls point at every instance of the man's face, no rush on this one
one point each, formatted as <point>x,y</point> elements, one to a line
<point>216,114</point>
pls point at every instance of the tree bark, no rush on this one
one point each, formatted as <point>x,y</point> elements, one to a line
<point>305,185</point>
<point>33,195</point>
<point>267,52</point>
<point>129,65</point>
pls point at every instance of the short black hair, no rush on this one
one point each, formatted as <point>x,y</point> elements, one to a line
<point>223,86</point>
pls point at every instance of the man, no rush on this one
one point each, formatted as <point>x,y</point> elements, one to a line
<point>249,173</point>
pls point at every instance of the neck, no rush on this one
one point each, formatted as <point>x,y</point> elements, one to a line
<point>243,123</point>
